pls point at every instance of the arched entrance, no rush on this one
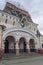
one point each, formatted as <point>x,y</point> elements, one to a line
<point>6,50</point>
<point>32,45</point>
<point>9,45</point>
<point>22,45</point>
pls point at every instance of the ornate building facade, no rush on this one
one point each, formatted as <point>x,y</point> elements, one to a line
<point>18,33</point>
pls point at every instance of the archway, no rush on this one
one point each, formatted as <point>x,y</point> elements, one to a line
<point>32,45</point>
<point>9,44</point>
<point>22,45</point>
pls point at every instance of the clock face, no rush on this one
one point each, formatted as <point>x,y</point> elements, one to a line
<point>22,24</point>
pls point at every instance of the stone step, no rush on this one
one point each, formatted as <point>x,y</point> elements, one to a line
<point>23,55</point>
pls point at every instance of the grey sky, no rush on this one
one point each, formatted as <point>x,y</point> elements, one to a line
<point>34,7</point>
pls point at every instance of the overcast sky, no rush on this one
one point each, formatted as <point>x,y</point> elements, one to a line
<point>34,7</point>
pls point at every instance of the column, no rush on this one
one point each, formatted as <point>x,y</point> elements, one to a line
<point>28,49</point>
<point>1,52</point>
<point>17,48</point>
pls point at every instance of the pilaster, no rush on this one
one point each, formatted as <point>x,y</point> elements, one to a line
<point>17,48</point>
<point>28,49</point>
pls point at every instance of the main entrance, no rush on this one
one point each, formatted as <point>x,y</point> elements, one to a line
<point>32,45</point>
<point>22,45</point>
<point>9,45</point>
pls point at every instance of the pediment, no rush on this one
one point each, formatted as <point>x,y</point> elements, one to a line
<point>9,7</point>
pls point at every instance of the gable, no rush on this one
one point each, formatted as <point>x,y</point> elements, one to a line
<point>10,7</point>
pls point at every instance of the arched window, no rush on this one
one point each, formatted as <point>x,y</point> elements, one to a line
<point>23,23</point>
<point>42,45</point>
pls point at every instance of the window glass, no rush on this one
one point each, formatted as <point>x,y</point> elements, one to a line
<point>42,45</point>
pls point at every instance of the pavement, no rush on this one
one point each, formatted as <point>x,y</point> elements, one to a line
<point>23,60</point>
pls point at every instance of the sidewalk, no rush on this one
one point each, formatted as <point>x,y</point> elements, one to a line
<point>21,56</point>
<point>22,60</point>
